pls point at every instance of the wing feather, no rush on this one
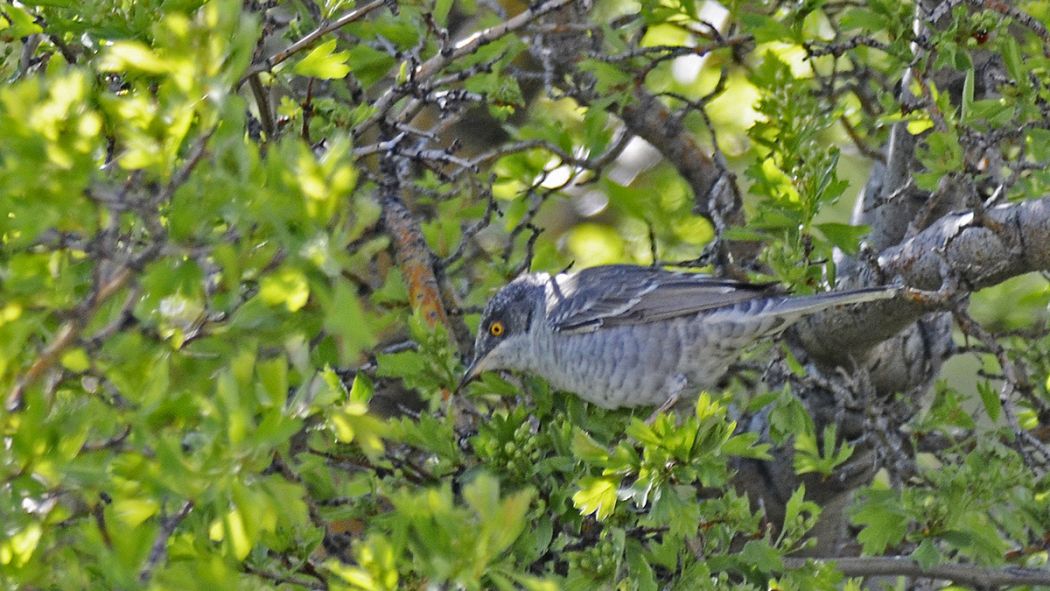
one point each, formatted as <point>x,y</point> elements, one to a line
<point>624,294</point>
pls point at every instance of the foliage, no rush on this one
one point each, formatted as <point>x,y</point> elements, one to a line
<point>218,370</point>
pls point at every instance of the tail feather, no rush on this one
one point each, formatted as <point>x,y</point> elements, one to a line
<point>802,305</point>
<point>762,317</point>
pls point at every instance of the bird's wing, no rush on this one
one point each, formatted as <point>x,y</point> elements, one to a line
<point>625,294</point>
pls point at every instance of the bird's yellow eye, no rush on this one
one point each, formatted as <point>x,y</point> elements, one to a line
<point>496,329</point>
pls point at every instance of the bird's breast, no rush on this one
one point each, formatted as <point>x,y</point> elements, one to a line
<point>630,365</point>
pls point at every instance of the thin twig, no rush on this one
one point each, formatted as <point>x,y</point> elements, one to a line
<point>67,334</point>
<point>262,101</point>
<point>309,39</point>
<point>859,142</point>
<point>1015,380</point>
<point>110,443</point>
<point>159,549</point>
<point>457,51</point>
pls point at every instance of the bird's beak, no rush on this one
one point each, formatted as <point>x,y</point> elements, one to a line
<point>472,372</point>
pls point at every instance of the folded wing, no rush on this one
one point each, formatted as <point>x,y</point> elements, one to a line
<point>625,294</point>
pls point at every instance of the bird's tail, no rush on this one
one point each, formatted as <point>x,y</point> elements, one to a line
<point>803,305</point>
<point>766,316</point>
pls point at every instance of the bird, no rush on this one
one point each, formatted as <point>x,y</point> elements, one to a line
<point>627,336</point>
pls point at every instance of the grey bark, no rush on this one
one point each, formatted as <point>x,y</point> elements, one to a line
<point>980,249</point>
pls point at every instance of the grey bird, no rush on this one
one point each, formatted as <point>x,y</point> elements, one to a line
<point>624,335</point>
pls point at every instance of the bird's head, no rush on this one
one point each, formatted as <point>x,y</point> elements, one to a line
<point>502,341</point>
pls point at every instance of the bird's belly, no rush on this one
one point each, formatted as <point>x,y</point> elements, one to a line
<point>635,365</point>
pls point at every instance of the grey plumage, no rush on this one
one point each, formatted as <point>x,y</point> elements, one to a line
<point>622,335</point>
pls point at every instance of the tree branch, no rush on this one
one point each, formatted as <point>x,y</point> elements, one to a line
<point>160,545</point>
<point>902,566</point>
<point>653,121</point>
<point>715,194</point>
<point>309,39</point>
<point>413,256</point>
<point>461,48</point>
<point>981,248</point>
<point>67,335</point>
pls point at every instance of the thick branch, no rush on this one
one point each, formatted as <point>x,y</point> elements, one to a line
<point>980,249</point>
<point>902,566</point>
<point>414,259</point>
<point>890,208</point>
<point>651,120</point>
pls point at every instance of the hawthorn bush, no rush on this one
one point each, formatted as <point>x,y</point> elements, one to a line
<point>244,247</point>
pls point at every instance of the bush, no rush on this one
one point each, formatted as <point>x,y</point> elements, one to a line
<point>245,246</point>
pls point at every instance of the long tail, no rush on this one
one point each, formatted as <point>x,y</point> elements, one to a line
<point>761,317</point>
<point>802,305</point>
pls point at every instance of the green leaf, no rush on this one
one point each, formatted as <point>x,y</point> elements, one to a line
<point>810,458</point>
<point>609,79</point>
<point>1011,53</point>
<point>883,519</point>
<point>273,376</point>
<point>509,521</point>
<point>440,12</point>
<point>862,18</point>
<point>926,555</point>
<point>990,398</point>
<point>587,449</point>
<point>324,62</point>
<point>133,56</point>
<point>361,390</point>
<point>20,23</point>
<point>746,445</point>
<point>967,96</point>
<point>759,554</point>
<point>597,496</point>
<point>942,154</point>
<point>369,64</point>
<point>788,416</point>
<point>351,423</point>
<point>403,364</point>
<point>287,286</point>
<point>793,508</point>
<point>403,32</point>
<point>482,494</point>
<point>643,432</point>
<point>346,319</point>
<point>765,28</point>
<point>642,575</point>
<point>994,111</point>
<point>502,92</point>
<point>1038,142</point>
<point>844,236</point>
<point>919,125</point>
<point>76,360</point>
<point>132,512</point>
